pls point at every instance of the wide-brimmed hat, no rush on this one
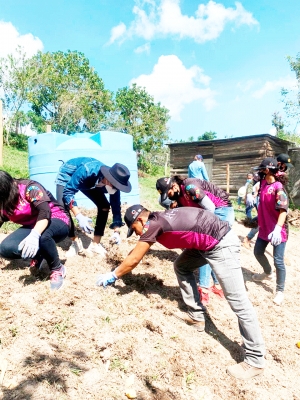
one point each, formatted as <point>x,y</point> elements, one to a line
<point>163,185</point>
<point>269,162</point>
<point>285,158</point>
<point>131,215</point>
<point>118,175</point>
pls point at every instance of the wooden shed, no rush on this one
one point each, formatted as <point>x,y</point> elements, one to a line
<point>236,155</point>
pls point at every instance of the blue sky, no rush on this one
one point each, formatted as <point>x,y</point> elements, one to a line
<point>216,65</point>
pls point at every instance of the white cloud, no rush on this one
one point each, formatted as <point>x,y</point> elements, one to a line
<point>117,33</point>
<point>175,86</point>
<point>145,48</point>
<point>271,86</point>
<point>164,17</point>
<point>10,39</point>
<point>246,86</point>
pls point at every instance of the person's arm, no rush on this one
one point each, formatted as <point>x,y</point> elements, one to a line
<point>207,204</point>
<point>130,262</point>
<point>133,258</point>
<point>73,186</point>
<point>204,173</point>
<point>281,217</point>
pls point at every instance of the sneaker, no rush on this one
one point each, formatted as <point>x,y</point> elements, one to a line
<point>204,297</point>
<point>262,277</point>
<point>57,278</point>
<point>198,325</point>
<point>34,267</point>
<point>278,299</point>
<point>244,371</point>
<point>218,292</point>
<point>96,248</point>
<point>75,248</point>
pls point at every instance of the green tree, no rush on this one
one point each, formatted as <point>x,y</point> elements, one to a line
<point>278,123</point>
<point>291,98</point>
<point>138,115</point>
<point>208,136</point>
<point>67,93</point>
<point>15,81</point>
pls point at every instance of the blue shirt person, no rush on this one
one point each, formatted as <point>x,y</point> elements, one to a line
<point>94,179</point>
<point>197,169</point>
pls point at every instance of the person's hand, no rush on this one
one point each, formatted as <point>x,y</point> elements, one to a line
<point>115,238</point>
<point>30,244</point>
<point>106,279</point>
<point>275,236</point>
<point>250,200</point>
<point>84,223</point>
<point>116,224</point>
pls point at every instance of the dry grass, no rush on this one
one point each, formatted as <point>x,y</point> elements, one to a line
<point>84,342</point>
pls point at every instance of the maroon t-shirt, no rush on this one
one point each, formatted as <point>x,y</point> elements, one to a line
<point>186,227</point>
<point>193,190</point>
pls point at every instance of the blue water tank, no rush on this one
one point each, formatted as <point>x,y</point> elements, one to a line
<point>45,151</point>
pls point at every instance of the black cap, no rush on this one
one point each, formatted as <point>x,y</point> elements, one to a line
<point>118,175</point>
<point>285,158</point>
<point>163,185</point>
<point>131,215</point>
<point>270,163</point>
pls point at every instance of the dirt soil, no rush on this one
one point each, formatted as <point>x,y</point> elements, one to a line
<point>85,342</point>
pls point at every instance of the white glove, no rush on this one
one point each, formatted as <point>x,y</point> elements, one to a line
<point>249,200</point>
<point>106,279</point>
<point>30,244</point>
<point>275,236</point>
<point>84,223</point>
<point>115,238</point>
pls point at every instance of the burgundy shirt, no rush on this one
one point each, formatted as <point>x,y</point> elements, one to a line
<point>193,190</point>
<point>186,227</point>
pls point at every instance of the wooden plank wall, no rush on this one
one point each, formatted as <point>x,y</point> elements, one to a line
<point>241,154</point>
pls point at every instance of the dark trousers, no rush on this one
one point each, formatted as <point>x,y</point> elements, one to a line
<point>56,231</point>
<point>97,196</point>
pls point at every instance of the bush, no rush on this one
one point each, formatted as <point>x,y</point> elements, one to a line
<point>18,141</point>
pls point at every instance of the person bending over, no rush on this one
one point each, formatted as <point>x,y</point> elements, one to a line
<point>94,180</point>
<point>206,239</point>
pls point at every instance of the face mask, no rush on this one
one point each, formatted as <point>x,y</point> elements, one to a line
<point>110,190</point>
<point>249,180</point>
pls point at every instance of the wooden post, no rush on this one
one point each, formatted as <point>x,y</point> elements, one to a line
<point>1,134</point>
<point>227,178</point>
<point>48,128</point>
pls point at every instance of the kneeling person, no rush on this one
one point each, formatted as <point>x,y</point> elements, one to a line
<point>205,238</point>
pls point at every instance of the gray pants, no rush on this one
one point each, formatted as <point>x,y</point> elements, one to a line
<point>224,261</point>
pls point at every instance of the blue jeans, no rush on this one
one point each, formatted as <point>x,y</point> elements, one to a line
<point>224,260</point>
<point>225,214</point>
<point>55,232</point>
<point>249,211</point>
<point>278,254</point>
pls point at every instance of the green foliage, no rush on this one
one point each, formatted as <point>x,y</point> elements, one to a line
<point>141,117</point>
<point>18,141</point>
<point>15,162</point>
<point>15,82</point>
<point>210,135</point>
<point>291,98</point>
<point>67,91</point>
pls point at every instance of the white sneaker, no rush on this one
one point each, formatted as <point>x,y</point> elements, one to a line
<point>262,277</point>
<point>96,248</point>
<point>278,299</point>
<point>75,248</point>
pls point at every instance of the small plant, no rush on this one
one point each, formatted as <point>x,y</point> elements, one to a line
<point>116,363</point>
<point>107,319</point>
<point>13,331</point>
<point>190,378</point>
<point>76,371</point>
<point>60,327</point>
